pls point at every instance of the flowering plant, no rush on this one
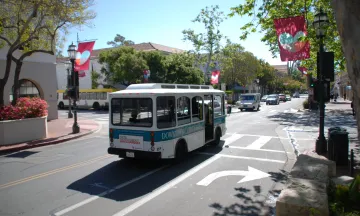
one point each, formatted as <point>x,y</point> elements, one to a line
<point>24,108</point>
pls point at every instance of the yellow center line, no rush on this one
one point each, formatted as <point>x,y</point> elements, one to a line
<point>51,172</point>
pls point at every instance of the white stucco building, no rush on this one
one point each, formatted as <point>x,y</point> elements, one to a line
<point>37,78</point>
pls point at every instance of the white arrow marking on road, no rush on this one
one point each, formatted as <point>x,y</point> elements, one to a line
<point>251,174</point>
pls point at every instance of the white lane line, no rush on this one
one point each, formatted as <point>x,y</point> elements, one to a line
<point>267,150</point>
<point>232,139</point>
<point>165,187</point>
<point>93,198</point>
<point>260,142</point>
<point>242,157</point>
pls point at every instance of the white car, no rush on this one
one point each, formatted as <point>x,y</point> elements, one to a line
<point>249,101</point>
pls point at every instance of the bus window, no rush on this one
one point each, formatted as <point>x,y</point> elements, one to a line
<point>88,96</point>
<point>218,106</point>
<point>136,112</point>
<point>197,108</point>
<point>183,110</point>
<point>165,112</point>
<point>103,96</point>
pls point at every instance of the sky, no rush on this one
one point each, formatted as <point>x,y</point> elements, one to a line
<point>162,22</point>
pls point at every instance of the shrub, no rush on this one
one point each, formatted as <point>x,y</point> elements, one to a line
<point>306,104</point>
<point>24,108</point>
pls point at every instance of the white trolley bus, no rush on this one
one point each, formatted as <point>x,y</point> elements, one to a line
<point>158,121</point>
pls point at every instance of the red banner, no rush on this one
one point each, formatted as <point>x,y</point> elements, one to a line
<point>303,70</point>
<point>289,31</point>
<point>215,77</point>
<point>83,55</point>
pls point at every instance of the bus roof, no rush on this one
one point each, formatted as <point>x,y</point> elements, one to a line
<point>90,90</point>
<point>165,88</point>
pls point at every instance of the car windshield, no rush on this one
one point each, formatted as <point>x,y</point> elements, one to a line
<point>265,96</point>
<point>247,97</point>
<point>272,96</point>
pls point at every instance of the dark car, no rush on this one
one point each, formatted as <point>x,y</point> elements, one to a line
<point>282,97</point>
<point>272,100</point>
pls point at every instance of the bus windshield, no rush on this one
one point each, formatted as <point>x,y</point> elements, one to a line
<point>247,97</point>
<point>136,112</point>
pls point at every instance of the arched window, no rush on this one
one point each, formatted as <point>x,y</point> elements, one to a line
<point>26,89</point>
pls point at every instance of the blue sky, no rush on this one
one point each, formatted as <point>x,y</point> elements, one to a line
<point>162,21</point>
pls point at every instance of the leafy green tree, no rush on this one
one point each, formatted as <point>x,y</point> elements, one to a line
<point>95,76</point>
<point>155,61</point>
<point>265,12</point>
<point>32,27</point>
<point>237,65</point>
<point>120,40</point>
<point>265,74</point>
<point>180,69</point>
<point>123,65</point>
<point>208,41</point>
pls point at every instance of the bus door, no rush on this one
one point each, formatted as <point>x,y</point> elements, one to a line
<point>209,117</point>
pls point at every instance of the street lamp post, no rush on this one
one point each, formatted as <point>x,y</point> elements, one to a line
<point>68,65</point>
<point>72,53</point>
<point>320,23</point>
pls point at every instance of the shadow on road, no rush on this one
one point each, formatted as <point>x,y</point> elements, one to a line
<point>119,172</point>
<point>251,203</point>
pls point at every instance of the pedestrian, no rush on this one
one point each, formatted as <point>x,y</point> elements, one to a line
<point>344,95</point>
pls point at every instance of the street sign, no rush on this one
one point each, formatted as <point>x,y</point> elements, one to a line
<point>251,174</point>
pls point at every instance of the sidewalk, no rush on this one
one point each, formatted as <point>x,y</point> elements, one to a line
<point>306,126</point>
<point>59,130</point>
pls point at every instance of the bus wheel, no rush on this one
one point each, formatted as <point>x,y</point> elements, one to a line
<point>61,105</point>
<point>181,151</point>
<point>96,106</point>
<point>217,137</point>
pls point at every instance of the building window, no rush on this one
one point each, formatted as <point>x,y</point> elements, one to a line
<point>26,89</point>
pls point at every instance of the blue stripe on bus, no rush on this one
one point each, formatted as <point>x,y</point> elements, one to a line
<point>165,135</point>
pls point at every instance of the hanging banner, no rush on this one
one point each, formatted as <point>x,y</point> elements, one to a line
<point>146,75</point>
<point>83,55</point>
<point>303,70</point>
<point>215,77</point>
<point>289,32</point>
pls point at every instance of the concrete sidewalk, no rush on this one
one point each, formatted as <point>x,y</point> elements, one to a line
<point>59,130</point>
<point>306,126</point>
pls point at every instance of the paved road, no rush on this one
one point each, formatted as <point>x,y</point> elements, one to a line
<point>240,177</point>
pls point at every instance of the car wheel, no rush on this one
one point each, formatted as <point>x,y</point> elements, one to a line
<point>258,108</point>
<point>241,110</point>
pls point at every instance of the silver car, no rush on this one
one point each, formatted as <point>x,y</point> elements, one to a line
<point>273,99</point>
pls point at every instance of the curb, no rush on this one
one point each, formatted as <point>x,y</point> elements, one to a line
<point>7,151</point>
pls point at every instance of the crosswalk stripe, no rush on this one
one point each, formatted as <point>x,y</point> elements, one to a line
<point>232,138</point>
<point>260,142</point>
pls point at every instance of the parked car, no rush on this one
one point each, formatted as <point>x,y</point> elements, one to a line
<point>282,97</point>
<point>273,99</point>
<point>263,99</point>
<point>288,97</point>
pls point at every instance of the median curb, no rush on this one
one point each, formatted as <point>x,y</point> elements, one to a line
<point>47,143</point>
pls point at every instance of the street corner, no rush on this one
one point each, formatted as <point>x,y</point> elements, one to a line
<point>59,131</point>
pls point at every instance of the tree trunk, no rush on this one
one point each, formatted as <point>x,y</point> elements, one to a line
<point>4,80</point>
<point>16,82</point>
<point>348,21</point>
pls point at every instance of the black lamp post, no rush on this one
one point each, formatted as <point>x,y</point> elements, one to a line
<point>68,66</point>
<point>320,24</point>
<point>72,55</point>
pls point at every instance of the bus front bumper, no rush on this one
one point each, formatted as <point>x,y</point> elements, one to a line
<point>137,154</point>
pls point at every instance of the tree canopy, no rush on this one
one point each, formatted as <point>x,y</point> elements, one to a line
<point>264,12</point>
<point>125,65</point>
<point>120,40</point>
<point>36,26</point>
